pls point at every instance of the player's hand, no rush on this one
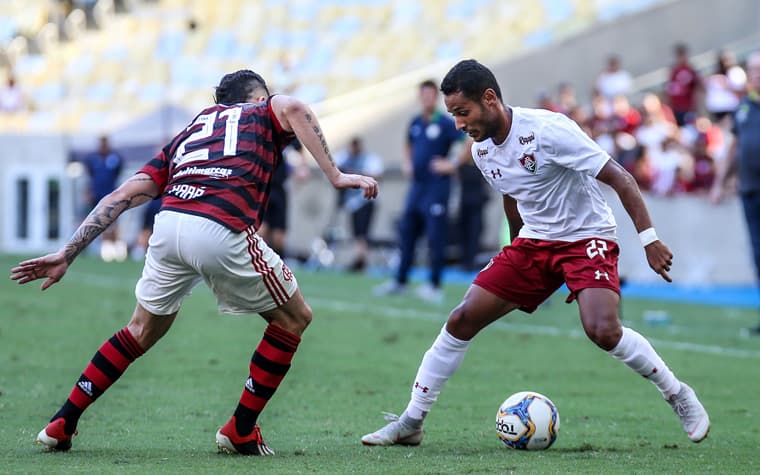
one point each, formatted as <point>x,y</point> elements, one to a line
<point>348,180</point>
<point>51,267</point>
<point>660,259</point>
<point>442,166</point>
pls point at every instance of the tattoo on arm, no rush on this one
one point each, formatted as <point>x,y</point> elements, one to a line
<point>99,220</point>
<point>323,142</point>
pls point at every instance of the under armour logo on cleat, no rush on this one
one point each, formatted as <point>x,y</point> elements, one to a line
<point>85,386</point>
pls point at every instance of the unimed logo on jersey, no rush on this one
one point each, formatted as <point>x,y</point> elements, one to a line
<point>528,162</point>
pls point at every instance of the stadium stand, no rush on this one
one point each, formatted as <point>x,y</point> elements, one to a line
<point>87,65</point>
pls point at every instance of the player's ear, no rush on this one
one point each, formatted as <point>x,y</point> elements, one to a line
<point>261,99</point>
<point>489,97</point>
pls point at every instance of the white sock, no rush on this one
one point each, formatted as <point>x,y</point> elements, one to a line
<point>637,353</point>
<point>438,364</point>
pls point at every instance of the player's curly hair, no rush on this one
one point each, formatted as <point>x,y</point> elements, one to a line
<point>237,87</point>
<point>471,79</point>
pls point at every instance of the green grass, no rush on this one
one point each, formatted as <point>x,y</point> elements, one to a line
<point>357,359</point>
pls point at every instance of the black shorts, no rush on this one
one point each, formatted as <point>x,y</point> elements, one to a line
<point>276,214</point>
<point>361,219</point>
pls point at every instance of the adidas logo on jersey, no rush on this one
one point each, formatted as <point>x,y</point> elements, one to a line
<point>249,385</point>
<point>85,386</point>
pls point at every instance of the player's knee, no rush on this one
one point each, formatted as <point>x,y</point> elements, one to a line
<point>305,316</point>
<point>459,326</point>
<point>604,332</point>
<point>298,319</point>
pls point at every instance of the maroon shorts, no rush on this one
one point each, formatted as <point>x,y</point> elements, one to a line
<point>529,270</point>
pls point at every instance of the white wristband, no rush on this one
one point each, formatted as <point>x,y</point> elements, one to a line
<point>648,236</point>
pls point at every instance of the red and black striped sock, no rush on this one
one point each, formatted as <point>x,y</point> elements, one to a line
<point>111,360</point>
<point>269,364</point>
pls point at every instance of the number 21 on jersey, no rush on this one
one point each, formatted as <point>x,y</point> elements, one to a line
<point>207,121</point>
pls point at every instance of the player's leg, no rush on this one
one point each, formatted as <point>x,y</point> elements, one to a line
<point>164,283</point>
<point>518,277</point>
<point>599,315</point>
<point>110,361</point>
<point>478,309</point>
<point>250,278</point>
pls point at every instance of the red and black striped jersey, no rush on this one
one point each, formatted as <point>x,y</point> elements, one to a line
<point>220,167</point>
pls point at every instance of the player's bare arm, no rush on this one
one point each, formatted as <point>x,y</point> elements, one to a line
<point>659,256</point>
<point>513,217</point>
<point>297,117</point>
<point>133,192</point>
<point>727,169</point>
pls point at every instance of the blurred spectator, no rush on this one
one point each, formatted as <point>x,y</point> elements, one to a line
<point>683,85</point>
<point>641,169</point>
<point>150,210</point>
<point>430,138</point>
<point>744,159</point>
<point>472,200</point>
<point>544,101</point>
<point>104,167</point>
<point>613,80</point>
<point>725,87</point>
<point>274,225</point>
<point>655,126</point>
<point>625,118</point>
<point>566,100</point>
<point>356,160</point>
<point>602,123</point>
<point>704,165</point>
<point>670,167</point>
<point>11,96</point>
<point>580,115</point>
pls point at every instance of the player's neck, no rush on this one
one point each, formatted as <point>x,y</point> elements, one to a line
<point>503,126</point>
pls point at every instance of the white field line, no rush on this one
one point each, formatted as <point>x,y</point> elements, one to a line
<point>386,310</point>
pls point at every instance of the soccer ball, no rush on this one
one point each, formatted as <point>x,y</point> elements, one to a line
<point>527,421</point>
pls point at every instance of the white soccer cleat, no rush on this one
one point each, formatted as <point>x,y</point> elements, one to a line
<point>389,288</point>
<point>693,415</point>
<point>394,433</point>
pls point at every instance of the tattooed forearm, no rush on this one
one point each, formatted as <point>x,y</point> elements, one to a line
<point>99,219</point>
<point>323,142</point>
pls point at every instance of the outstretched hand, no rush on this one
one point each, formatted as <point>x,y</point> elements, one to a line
<point>52,267</point>
<point>660,258</point>
<point>366,183</point>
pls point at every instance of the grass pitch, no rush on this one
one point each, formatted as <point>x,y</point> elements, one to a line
<point>357,359</point>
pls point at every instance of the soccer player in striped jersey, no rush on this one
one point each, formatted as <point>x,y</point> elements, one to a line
<point>214,179</point>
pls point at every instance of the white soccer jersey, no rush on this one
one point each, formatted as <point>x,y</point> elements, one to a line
<point>548,165</point>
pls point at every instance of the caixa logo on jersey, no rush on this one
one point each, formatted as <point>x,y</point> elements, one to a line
<point>528,162</point>
<point>187,192</point>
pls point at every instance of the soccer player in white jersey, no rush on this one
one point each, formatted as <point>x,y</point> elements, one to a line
<point>562,230</point>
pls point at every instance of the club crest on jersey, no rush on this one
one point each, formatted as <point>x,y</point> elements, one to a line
<point>526,140</point>
<point>528,162</point>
